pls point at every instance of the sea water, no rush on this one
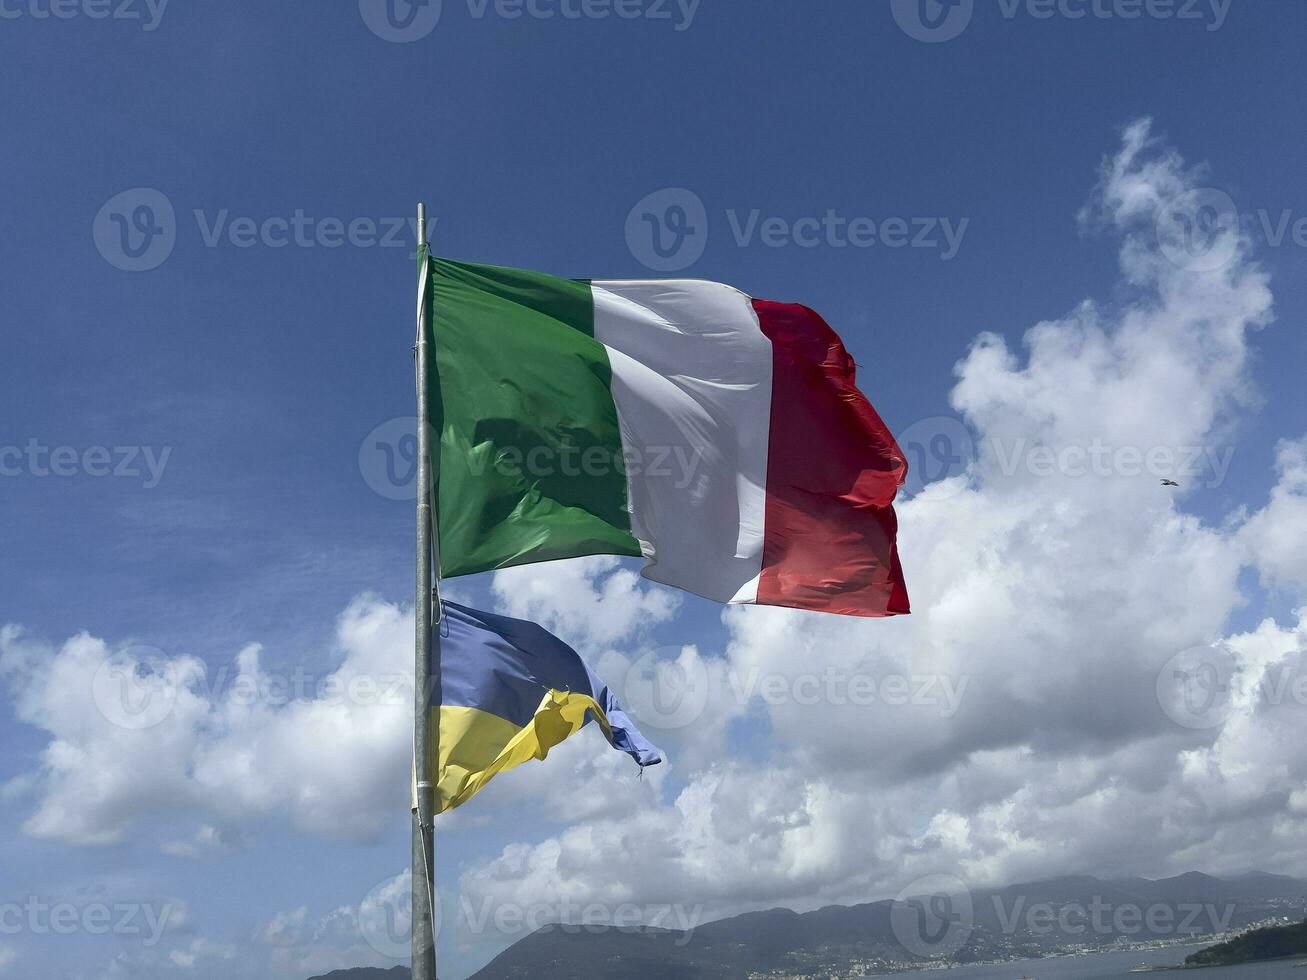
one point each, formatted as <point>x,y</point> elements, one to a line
<point>1115,964</point>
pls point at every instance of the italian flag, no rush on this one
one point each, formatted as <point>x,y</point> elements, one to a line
<point>720,437</point>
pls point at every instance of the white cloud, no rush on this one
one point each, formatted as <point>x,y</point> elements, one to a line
<point>588,601</point>
<point>207,840</point>
<point>373,933</point>
<point>134,731</point>
<point>285,928</point>
<point>1276,536</point>
<point>94,777</point>
<point>200,950</point>
<point>133,734</point>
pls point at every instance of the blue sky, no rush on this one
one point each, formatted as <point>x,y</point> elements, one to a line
<point>250,374</point>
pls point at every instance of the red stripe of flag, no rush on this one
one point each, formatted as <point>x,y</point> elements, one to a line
<point>833,469</point>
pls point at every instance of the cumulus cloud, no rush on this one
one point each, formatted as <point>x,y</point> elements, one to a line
<point>134,731</point>
<point>95,777</point>
<point>1276,536</point>
<point>588,601</point>
<point>295,943</point>
<point>207,840</point>
<point>200,950</point>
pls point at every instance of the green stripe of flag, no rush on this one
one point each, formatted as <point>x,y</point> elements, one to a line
<point>520,395</point>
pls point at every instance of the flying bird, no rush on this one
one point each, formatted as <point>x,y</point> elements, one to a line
<point>1169,483</point>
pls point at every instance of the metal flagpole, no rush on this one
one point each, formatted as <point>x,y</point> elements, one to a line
<point>427,659</point>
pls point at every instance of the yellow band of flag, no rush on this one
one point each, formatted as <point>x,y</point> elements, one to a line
<point>476,745</point>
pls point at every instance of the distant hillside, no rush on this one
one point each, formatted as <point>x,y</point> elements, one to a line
<point>1006,923</point>
<point>1195,886</point>
<point>1261,944</point>
<point>836,938</point>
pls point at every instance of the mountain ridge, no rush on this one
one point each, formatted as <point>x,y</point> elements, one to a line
<point>781,941</point>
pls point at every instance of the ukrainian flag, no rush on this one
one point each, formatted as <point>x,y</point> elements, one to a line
<point>511,691</point>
